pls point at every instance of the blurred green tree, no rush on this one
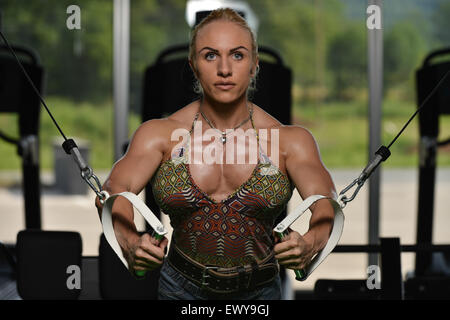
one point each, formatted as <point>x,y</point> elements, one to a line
<point>155,25</point>
<point>318,39</point>
<point>441,18</point>
<point>301,32</point>
<point>347,60</point>
<point>77,62</point>
<point>403,47</point>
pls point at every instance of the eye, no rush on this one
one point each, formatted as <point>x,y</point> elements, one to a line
<point>210,56</point>
<point>238,55</point>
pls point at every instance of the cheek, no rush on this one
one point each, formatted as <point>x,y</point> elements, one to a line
<point>244,68</point>
<point>204,70</point>
<point>205,76</point>
<point>244,73</point>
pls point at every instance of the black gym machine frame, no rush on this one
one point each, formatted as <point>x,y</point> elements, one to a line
<point>28,108</point>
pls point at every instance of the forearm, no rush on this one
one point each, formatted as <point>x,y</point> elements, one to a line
<point>320,226</point>
<point>123,223</point>
<point>122,215</point>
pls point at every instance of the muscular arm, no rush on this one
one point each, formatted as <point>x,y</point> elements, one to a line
<point>131,173</point>
<point>310,176</point>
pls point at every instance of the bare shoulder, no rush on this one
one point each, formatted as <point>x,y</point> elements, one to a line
<point>178,119</point>
<point>299,144</point>
<point>296,134</point>
<point>291,136</point>
<point>264,120</point>
<point>155,134</point>
<point>185,115</point>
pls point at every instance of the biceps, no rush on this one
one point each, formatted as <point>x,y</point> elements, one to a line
<point>131,174</point>
<point>312,178</point>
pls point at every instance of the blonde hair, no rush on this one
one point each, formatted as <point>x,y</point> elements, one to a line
<point>226,14</point>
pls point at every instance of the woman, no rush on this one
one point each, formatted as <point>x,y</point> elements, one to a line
<point>222,212</point>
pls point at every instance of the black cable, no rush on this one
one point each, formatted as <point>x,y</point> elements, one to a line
<point>69,145</point>
<point>421,106</point>
<point>443,142</point>
<point>32,85</point>
<point>9,139</point>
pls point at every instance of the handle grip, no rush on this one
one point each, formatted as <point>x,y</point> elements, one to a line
<point>300,274</point>
<point>141,273</point>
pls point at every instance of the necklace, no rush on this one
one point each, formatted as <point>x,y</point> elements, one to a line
<point>224,134</point>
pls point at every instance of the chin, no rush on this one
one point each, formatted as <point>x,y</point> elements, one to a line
<point>226,97</point>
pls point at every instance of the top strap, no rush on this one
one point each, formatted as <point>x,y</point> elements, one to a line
<point>193,122</point>
<point>253,125</point>
<point>251,120</point>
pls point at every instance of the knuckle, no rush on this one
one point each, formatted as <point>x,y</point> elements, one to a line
<point>146,237</point>
<point>139,253</point>
<point>160,254</point>
<point>291,243</point>
<point>142,246</point>
<point>145,244</point>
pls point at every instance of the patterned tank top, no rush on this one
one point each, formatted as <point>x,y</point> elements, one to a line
<point>235,231</point>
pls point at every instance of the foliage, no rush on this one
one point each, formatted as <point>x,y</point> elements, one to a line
<point>403,50</point>
<point>322,41</point>
<point>345,147</point>
<point>442,22</point>
<point>347,59</point>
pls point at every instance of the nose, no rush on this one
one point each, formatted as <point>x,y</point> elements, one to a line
<point>224,68</point>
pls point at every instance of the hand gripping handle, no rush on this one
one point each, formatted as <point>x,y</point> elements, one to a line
<point>300,274</point>
<point>338,225</point>
<point>108,229</point>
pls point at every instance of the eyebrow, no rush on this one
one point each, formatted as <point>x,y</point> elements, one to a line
<point>217,51</point>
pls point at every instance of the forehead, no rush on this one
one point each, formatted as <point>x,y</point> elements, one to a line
<point>223,34</point>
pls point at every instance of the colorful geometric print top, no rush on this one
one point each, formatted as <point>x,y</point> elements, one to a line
<point>235,231</point>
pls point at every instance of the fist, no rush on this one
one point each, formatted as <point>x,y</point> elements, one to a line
<point>293,252</point>
<point>147,253</point>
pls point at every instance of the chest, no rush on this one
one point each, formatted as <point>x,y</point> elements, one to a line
<point>222,167</point>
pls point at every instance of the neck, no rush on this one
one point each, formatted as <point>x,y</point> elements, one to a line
<point>225,115</point>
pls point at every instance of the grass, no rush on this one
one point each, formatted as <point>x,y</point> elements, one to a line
<point>342,133</point>
<point>82,122</point>
<point>340,129</point>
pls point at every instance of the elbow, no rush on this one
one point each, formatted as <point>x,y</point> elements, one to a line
<point>99,207</point>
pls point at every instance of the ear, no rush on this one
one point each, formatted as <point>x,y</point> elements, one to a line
<point>255,67</point>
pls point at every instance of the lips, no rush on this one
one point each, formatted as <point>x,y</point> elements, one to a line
<point>224,85</point>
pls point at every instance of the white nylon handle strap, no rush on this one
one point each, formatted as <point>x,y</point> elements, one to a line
<point>333,240</point>
<point>148,215</point>
<point>297,213</point>
<point>335,235</point>
<point>107,224</point>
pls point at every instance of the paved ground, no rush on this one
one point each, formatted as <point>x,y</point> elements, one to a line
<point>398,217</point>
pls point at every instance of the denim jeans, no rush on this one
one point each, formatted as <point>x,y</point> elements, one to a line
<point>174,286</point>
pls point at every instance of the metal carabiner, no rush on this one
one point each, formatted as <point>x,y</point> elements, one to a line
<point>87,174</point>
<point>343,199</point>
